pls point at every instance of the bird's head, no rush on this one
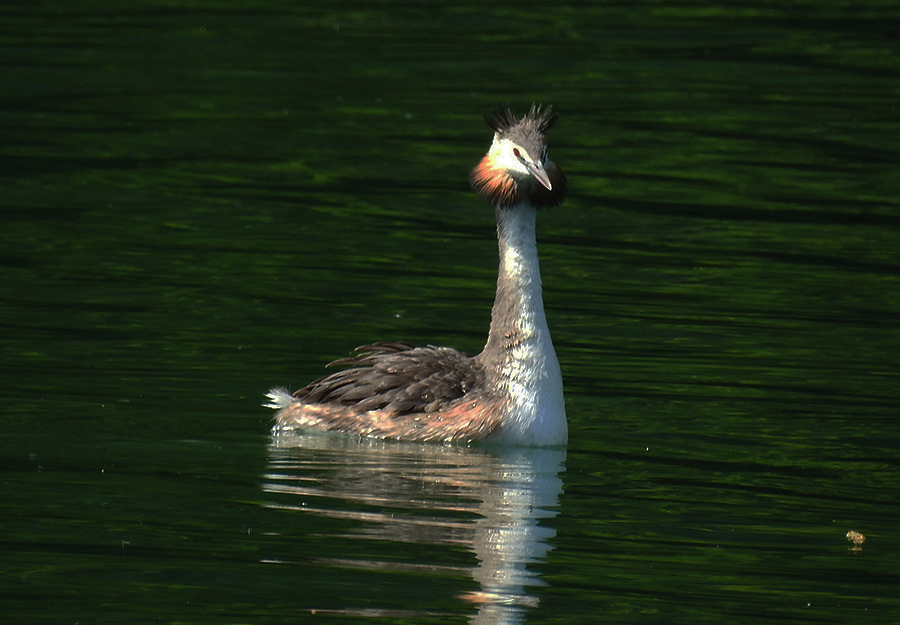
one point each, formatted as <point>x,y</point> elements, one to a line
<point>516,168</point>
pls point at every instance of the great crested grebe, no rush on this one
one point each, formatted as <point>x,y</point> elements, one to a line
<point>509,393</point>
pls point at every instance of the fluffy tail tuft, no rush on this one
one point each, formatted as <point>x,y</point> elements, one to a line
<point>278,398</point>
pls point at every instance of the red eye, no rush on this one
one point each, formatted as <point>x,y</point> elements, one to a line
<point>516,152</point>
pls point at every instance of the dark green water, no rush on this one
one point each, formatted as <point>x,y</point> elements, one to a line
<point>201,200</point>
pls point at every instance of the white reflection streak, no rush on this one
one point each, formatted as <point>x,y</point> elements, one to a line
<point>491,502</point>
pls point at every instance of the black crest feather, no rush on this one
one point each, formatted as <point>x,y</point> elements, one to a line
<point>503,119</point>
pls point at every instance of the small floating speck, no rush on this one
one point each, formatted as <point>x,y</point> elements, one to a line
<point>857,538</point>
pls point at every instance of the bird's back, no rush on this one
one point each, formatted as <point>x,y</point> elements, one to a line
<point>396,390</point>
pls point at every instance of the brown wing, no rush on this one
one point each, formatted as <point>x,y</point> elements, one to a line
<point>396,379</point>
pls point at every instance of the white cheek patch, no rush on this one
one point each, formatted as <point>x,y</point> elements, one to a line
<point>504,157</point>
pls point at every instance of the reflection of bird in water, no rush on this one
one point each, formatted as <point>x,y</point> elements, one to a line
<point>375,497</point>
<point>512,391</point>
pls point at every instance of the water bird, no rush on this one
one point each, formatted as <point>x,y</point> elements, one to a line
<point>510,393</point>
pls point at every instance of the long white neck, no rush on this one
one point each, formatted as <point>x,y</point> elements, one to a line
<point>519,355</point>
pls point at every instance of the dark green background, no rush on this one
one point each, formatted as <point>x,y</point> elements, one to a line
<point>200,200</point>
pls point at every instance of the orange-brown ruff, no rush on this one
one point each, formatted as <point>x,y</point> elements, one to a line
<point>512,391</point>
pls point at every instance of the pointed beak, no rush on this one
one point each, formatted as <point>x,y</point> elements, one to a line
<point>537,170</point>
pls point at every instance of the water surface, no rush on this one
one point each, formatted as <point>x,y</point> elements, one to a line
<point>198,203</point>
